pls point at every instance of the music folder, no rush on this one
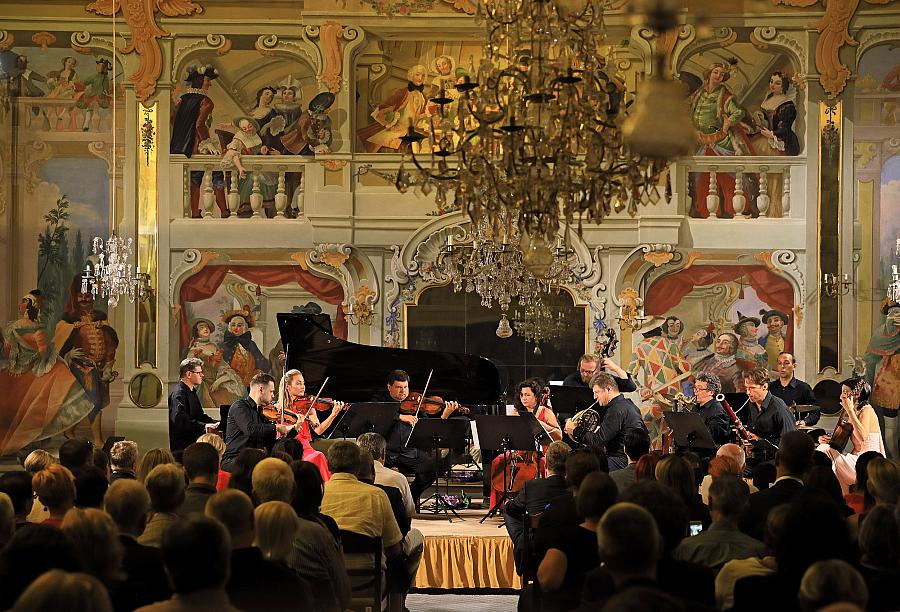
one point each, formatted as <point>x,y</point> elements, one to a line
<point>690,430</point>
<point>522,432</point>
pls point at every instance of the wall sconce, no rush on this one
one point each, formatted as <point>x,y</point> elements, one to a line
<point>631,310</point>
<point>362,306</point>
<point>832,286</point>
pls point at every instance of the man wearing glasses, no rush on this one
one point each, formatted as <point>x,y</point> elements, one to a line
<point>706,388</point>
<point>589,365</point>
<point>187,421</point>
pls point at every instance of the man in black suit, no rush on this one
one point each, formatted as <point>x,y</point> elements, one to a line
<point>536,494</point>
<point>717,421</point>
<point>246,426</point>
<point>187,421</point>
<point>793,459</point>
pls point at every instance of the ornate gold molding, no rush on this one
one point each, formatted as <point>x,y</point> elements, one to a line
<point>140,16</point>
<point>36,153</point>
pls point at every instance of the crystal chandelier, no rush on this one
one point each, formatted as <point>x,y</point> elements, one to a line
<point>536,323</point>
<point>893,291</point>
<point>111,276</point>
<point>537,128</point>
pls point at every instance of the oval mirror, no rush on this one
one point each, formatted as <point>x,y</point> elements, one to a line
<point>145,390</point>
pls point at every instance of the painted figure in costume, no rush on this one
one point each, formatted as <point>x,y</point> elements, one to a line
<point>659,355</point>
<point>718,117</point>
<point>65,85</point>
<point>88,343</point>
<point>750,355</point>
<point>238,348</point>
<point>392,118</point>
<point>774,341</point>
<point>775,120</point>
<point>248,142</point>
<point>190,132</point>
<point>310,132</point>
<point>41,397</point>
<point>270,122</point>
<point>221,384</point>
<point>97,92</point>
<point>882,359</point>
<point>721,362</point>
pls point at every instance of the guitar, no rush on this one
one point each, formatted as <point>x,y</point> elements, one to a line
<point>844,428</point>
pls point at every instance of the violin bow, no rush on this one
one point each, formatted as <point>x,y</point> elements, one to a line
<point>421,399</point>
<point>316,399</point>
<point>284,384</point>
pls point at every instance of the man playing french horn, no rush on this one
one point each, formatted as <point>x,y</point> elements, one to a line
<point>621,415</point>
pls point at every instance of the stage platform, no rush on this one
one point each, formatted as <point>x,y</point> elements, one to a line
<point>465,554</point>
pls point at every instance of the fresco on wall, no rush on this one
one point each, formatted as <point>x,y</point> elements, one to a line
<point>58,357</point>
<point>723,320</point>
<point>744,101</point>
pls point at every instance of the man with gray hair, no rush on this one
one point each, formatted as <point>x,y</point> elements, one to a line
<point>706,387</point>
<point>377,445</point>
<point>187,421</point>
<point>123,457</point>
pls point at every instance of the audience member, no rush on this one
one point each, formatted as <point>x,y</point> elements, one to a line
<point>100,460</point>
<point>573,549</point>
<point>831,581</point>
<point>879,563</point>
<point>128,504</point>
<point>152,458</point>
<point>123,458</point>
<point>257,581</point>
<point>201,464</point>
<point>645,468</point>
<point>729,459</point>
<point>309,490</point>
<point>562,509</point>
<point>316,556</point>
<point>30,553</point>
<point>219,444</point>
<point>76,453</point>
<point>165,484</point>
<point>764,476</point>
<point>822,478</point>
<point>196,553</point>
<point>792,460</point>
<point>38,460</point>
<point>54,488</point>
<point>276,526</point>
<point>676,473</point>
<point>90,487</point>
<point>60,590</point>
<point>723,541</point>
<point>7,519</point>
<point>18,486</point>
<point>637,444</point>
<point>301,450</point>
<point>242,470</point>
<point>93,534</point>
<point>858,495</point>
<point>643,599</point>
<point>376,444</point>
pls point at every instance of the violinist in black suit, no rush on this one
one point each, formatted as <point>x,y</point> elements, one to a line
<point>187,421</point>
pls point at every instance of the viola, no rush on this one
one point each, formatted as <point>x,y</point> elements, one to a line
<point>274,414</point>
<point>513,474</point>
<point>431,405</point>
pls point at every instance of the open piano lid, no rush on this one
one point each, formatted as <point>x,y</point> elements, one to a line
<point>357,371</point>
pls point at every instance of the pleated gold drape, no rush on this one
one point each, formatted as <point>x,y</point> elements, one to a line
<point>462,562</point>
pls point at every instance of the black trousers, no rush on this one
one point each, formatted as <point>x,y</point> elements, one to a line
<point>414,462</point>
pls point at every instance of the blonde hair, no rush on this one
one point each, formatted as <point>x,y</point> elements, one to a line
<point>276,525</point>
<point>59,590</point>
<point>124,453</point>
<point>884,479</point>
<point>215,441</point>
<point>287,379</point>
<point>94,535</point>
<point>55,488</point>
<point>127,502</point>
<point>38,460</point>
<point>273,480</point>
<point>153,458</point>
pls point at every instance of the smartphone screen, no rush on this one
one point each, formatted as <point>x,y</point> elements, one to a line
<point>696,527</point>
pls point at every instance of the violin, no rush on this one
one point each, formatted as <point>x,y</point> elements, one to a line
<point>274,414</point>
<point>431,405</point>
<point>305,404</point>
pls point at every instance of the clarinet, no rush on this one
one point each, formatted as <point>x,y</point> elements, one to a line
<point>742,431</point>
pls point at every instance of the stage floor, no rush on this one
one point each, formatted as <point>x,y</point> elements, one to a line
<point>464,553</point>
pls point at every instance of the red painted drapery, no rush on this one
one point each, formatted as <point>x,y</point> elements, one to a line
<point>204,284</point>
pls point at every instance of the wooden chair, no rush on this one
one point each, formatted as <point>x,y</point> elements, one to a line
<point>531,589</point>
<point>368,592</point>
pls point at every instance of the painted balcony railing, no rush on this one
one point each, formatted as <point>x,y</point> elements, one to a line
<point>269,187</point>
<point>730,187</point>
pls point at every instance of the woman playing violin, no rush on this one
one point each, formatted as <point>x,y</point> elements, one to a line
<point>301,404</point>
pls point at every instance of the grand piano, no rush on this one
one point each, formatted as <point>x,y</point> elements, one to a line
<point>356,371</point>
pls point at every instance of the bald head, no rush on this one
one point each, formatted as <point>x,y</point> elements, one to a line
<point>733,452</point>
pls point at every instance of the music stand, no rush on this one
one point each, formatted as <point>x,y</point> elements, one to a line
<point>363,417</point>
<point>690,431</point>
<point>567,400</point>
<point>508,434</point>
<point>433,435</point>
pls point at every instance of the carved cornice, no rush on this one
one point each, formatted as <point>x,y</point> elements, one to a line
<point>192,261</point>
<point>216,43</point>
<point>140,16</point>
<point>272,45</point>
<point>763,37</point>
<point>353,270</point>
<point>872,38</point>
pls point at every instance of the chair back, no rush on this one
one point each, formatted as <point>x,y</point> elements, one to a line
<point>363,559</point>
<point>531,590</point>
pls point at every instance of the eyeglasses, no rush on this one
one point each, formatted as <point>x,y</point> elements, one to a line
<point>200,372</point>
<point>696,388</point>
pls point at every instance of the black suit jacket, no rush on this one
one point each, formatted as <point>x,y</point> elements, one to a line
<point>716,420</point>
<point>187,420</point>
<point>145,577</point>
<point>399,510</point>
<point>535,495</point>
<point>258,584</point>
<point>246,429</point>
<point>782,492</point>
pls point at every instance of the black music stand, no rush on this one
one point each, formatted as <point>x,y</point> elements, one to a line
<point>567,400</point>
<point>431,435</point>
<point>363,417</point>
<point>690,431</point>
<point>508,434</point>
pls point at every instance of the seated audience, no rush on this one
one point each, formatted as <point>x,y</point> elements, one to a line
<point>201,464</point>
<point>764,476</point>
<point>123,457</point>
<point>792,460</point>
<point>316,556</point>
<point>38,460</point>
<point>219,444</point>
<point>128,504</point>
<point>7,519</point>
<point>242,470</point>
<point>61,590</point>
<point>165,484</point>
<point>30,553</point>
<point>676,473</point>
<point>572,552</point>
<point>376,444</point>
<point>275,527</point>
<point>90,487</point>
<point>858,496</point>
<point>152,458</point>
<point>301,450</point>
<point>100,460</point>
<point>729,459</point>
<point>76,453</point>
<point>257,581</point>
<point>637,444</point>
<point>196,553</point>
<point>18,486</point>
<point>879,563</point>
<point>645,468</point>
<point>831,581</point>
<point>54,488</point>
<point>723,541</point>
<point>93,534</point>
<point>822,478</point>
<point>309,490</point>
<point>562,509</point>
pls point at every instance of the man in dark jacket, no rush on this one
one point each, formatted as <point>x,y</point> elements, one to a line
<point>187,421</point>
<point>717,421</point>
